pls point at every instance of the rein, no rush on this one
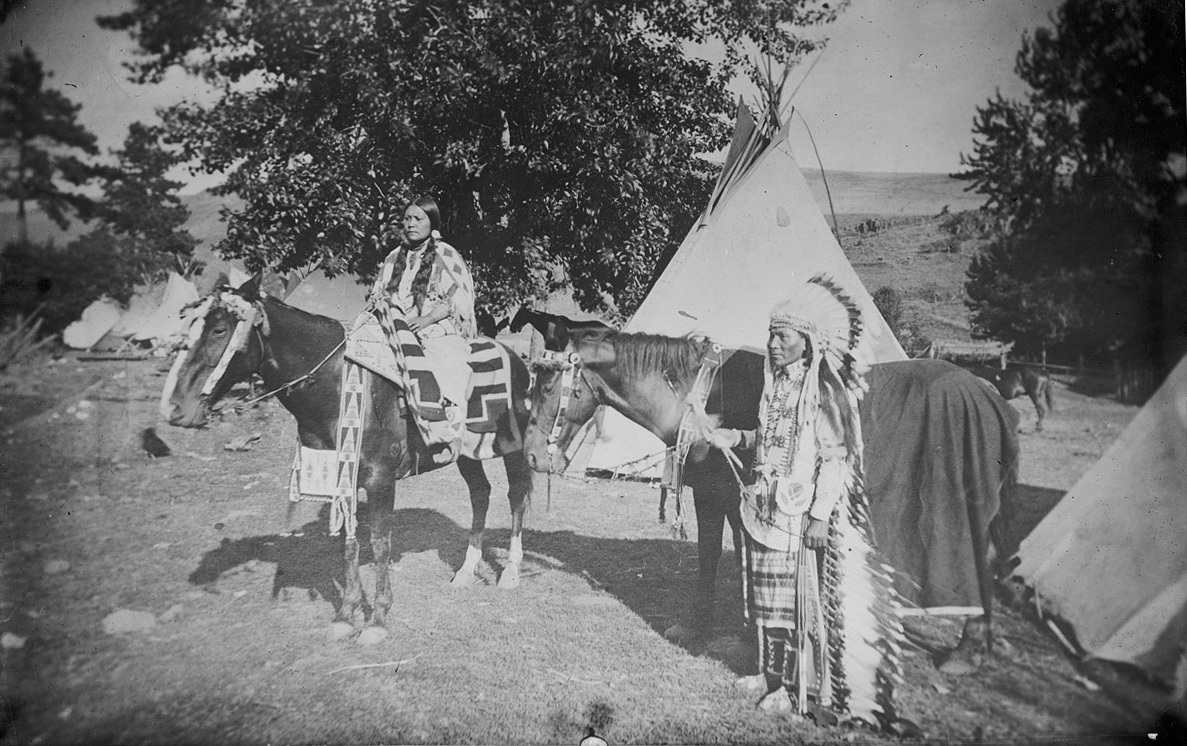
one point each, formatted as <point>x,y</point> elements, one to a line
<point>300,378</point>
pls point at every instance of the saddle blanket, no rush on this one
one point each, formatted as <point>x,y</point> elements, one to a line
<point>488,393</point>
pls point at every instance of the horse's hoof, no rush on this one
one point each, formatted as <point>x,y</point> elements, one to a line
<point>509,578</point>
<point>341,630</point>
<point>464,578</point>
<point>961,663</point>
<point>372,635</point>
<point>755,683</point>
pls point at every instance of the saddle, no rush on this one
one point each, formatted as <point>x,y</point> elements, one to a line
<point>331,475</point>
<point>488,391</point>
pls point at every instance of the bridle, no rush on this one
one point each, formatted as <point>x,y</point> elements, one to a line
<point>569,365</point>
<point>248,317</point>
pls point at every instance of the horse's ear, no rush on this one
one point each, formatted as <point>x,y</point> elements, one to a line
<point>594,345</point>
<point>558,336</point>
<point>250,290</point>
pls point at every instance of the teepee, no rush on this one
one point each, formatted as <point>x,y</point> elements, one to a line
<point>340,297</point>
<point>1110,559</point>
<point>760,232</point>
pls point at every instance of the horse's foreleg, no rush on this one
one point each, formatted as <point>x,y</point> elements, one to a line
<point>352,596</point>
<point>1041,410</point>
<point>381,546</point>
<point>710,522</point>
<point>519,491</point>
<point>479,486</point>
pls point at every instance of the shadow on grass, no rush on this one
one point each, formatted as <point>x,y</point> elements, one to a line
<point>310,559</point>
<point>654,578</point>
<point>1031,505</point>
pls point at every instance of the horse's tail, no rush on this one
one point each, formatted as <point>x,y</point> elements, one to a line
<point>1048,392</point>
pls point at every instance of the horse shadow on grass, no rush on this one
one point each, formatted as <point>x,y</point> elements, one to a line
<point>310,560</point>
<point>654,578</point>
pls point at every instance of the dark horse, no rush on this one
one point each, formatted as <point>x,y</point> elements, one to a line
<point>1014,382</point>
<point>488,326</point>
<point>554,328</point>
<point>940,458</point>
<point>285,346</point>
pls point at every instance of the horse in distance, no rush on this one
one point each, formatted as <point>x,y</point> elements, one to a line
<point>554,328</point>
<point>1014,382</point>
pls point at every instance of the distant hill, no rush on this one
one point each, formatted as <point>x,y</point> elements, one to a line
<point>853,192</point>
<point>870,193</point>
<point>889,229</point>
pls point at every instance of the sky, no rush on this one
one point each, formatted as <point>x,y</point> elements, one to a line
<point>896,90</point>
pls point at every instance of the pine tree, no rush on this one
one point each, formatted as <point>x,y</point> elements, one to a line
<point>40,135</point>
<point>1088,175</point>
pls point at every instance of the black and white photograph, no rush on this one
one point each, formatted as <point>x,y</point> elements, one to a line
<point>591,372</point>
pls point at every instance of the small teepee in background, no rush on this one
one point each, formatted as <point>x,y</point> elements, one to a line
<point>1110,559</point>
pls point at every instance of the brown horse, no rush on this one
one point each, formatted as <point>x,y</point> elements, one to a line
<point>940,458</point>
<point>300,356</point>
<point>1014,382</point>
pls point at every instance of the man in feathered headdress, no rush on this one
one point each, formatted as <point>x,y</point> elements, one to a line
<point>821,601</point>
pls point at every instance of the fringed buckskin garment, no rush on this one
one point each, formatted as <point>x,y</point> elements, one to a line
<point>827,620</point>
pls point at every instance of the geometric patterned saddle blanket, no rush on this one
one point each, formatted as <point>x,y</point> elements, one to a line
<point>488,392</point>
<point>331,475</point>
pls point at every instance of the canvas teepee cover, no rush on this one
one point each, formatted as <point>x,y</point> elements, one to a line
<point>761,231</point>
<point>340,297</point>
<point>1111,557</point>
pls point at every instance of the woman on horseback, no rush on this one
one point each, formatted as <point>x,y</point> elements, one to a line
<point>427,283</point>
<point>821,603</point>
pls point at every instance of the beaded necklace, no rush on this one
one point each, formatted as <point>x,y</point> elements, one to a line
<point>779,430</point>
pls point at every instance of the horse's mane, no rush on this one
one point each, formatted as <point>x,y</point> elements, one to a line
<point>677,358</point>
<point>325,321</point>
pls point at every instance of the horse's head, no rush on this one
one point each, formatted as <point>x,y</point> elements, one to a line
<point>223,348</point>
<point>519,320</point>
<point>646,377</point>
<point>565,396</point>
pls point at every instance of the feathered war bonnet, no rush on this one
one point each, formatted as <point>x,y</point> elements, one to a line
<point>832,321</point>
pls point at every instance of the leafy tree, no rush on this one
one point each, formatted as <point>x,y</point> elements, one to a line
<point>142,216</point>
<point>902,322</point>
<point>39,132</point>
<point>559,136</point>
<point>1088,177</point>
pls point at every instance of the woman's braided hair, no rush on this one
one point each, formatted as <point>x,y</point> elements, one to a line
<point>420,283</point>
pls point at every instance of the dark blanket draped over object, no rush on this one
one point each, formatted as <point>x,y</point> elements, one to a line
<point>933,496</point>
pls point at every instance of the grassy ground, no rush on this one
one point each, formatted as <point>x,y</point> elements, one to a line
<point>238,652</point>
<point>204,541</point>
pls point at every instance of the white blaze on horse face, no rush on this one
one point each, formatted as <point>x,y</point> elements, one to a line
<point>195,333</point>
<point>238,341</point>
